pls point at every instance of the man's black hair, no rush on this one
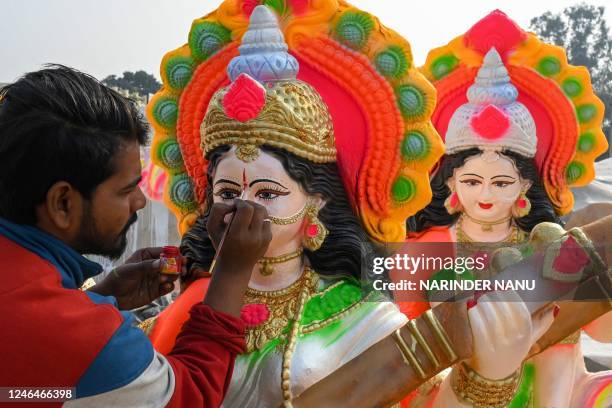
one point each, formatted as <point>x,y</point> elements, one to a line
<point>59,124</point>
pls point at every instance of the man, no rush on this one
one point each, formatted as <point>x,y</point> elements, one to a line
<point>70,165</point>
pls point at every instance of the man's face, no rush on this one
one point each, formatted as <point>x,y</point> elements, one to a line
<point>112,208</point>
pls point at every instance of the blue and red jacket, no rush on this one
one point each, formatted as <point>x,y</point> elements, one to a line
<point>54,335</point>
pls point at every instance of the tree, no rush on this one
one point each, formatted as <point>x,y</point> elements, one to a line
<point>139,82</point>
<point>583,32</point>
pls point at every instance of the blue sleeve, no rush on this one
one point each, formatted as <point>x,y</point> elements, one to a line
<point>125,357</point>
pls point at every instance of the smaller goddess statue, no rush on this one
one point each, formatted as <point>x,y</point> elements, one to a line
<point>521,126</point>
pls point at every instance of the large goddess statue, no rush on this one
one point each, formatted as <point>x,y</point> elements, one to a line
<point>314,111</point>
<point>521,126</point>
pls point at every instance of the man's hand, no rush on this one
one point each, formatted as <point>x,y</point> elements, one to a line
<point>138,282</point>
<point>246,242</point>
<point>589,214</point>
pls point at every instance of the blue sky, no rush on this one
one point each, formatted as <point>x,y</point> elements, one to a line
<point>111,36</point>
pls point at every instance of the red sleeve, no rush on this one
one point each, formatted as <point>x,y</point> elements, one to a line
<point>203,357</point>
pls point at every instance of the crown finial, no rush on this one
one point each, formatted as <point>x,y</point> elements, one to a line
<point>263,52</point>
<point>492,84</point>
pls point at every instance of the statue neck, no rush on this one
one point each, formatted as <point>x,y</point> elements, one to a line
<point>284,273</point>
<point>480,231</point>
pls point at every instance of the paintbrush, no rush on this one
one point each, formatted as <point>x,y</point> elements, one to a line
<point>229,224</point>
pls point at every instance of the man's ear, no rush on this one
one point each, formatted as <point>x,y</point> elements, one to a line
<point>62,205</point>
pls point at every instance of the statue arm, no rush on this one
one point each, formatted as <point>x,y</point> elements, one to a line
<point>405,360</point>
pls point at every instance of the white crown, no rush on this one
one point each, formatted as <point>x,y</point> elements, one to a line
<point>263,51</point>
<point>492,119</point>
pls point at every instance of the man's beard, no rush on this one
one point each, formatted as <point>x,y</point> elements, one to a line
<point>91,241</point>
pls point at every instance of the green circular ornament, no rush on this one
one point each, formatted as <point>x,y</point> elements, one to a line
<point>165,112</point>
<point>403,189</point>
<point>353,29</point>
<point>586,112</point>
<point>179,71</point>
<point>586,142</point>
<point>549,66</point>
<point>574,171</point>
<point>182,192</point>
<point>443,65</point>
<point>411,101</point>
<point>206,38</point>
<point>414,146</point>
<point>392,62</point>
<point>572,87</point>
<point>170,155</point>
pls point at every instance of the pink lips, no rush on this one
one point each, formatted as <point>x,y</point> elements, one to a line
<point>485,206</point>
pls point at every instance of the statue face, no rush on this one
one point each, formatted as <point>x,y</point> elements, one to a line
<point>269,185</point>
<point>487,186</point>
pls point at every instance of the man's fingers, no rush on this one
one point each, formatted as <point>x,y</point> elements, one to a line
<point>168,277</point>
<point>244,214</point>
<point>259,215</point>
<point>166,288</point>
<point>138,268</point>
<point>217,214</point>
<point>151,253</point>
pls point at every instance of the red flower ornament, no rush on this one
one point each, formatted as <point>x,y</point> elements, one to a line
<point>491,123</point>
<point>254,314</point>
<point>244,99</point>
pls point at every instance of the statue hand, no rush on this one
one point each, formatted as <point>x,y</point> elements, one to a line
<point>503,332</point>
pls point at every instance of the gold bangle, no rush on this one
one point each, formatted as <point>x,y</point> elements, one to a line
<point>480,392</point>
<point>414,330</point>
<point>440,334</point>
<point>409,356</point>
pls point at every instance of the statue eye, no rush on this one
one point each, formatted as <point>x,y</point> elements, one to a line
<point>270,193</point>
<point>471,182</point>
<point>227,194</point>
<point>267,195</point>
<point>503,184</point>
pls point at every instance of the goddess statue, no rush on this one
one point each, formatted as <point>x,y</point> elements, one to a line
<point>314,111</point>
<point>521,126</point>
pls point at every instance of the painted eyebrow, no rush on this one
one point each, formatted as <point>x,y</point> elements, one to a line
<point>227,181</point>
<point>266,180</point>
<point>133,183</point>
<point>470,174</point>
<point>503,175</point>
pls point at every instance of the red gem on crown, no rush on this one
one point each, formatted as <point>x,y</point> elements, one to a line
<point>249,5</point>
<point>494,30</point>
<point>491,123</point>
<point>244,99</point>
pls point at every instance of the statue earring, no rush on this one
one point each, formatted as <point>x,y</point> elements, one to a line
<point>522,206</point>
<point>452,203</point>
<point>315,232</point>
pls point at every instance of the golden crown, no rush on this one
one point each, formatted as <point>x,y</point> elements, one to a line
<point>285,113</point>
